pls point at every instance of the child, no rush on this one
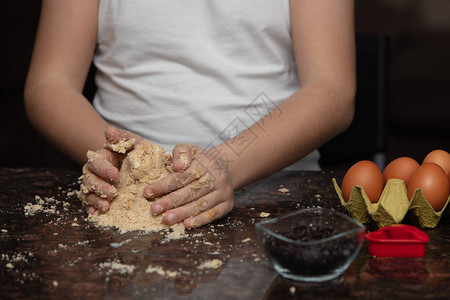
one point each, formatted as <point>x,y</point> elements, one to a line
<point>247,87</point>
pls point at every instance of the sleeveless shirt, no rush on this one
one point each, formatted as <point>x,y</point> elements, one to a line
<point>197,71</point>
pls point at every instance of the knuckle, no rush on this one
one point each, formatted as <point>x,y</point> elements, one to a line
<point>192,193</point>
<point>213,214</point>
<point>172,182</point>
<point>175,199</point>
<point>195,171</point>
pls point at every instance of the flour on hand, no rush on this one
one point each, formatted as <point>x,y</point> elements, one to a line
<point>130,210</point>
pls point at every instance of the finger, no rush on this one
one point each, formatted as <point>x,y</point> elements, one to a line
<point>182,156</point>
<point>94,184</point>
<point>171,183</point>
<point>114,135</point>
<point>90,209</point>
<point>97,202</point>
<point>101,163</point>
<point>190,209</point>
<point>184,195</point>
<point>210,215</point>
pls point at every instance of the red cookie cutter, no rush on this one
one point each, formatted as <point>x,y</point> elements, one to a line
<point>397,241</point>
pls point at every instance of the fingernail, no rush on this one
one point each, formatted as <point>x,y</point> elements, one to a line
<point>91,210</point>
<point>111,175</point>
<point>156,209</point>
<point>104,207</point>
<point>170,217</point>
<point>148,193</point>
<point>190,223</point>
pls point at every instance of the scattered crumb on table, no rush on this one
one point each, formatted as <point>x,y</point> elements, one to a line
<point>211,264</point>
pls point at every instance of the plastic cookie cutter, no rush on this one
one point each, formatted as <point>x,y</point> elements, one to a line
<point>397,240</point>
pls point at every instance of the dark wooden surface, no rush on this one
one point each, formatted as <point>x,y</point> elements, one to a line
<point>56,256</point>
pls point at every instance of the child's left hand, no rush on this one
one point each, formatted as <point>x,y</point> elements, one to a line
<point>197,193</point>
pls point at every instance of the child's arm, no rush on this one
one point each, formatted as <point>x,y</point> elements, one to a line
<point>323,38</point>
<point>61,59</point>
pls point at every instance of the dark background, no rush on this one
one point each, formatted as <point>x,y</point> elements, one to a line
<point>417,80</point>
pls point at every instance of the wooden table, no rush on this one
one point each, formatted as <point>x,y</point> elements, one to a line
<point>57,253</point>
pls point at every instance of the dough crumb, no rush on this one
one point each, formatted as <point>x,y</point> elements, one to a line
<point>283,190</point>
<point>121,146</point>
<point>9,266</point>
<point>31,209</point>
<point>117,266</point>
<point>292,290</point>
<point>211,264</point>
<point>46,205</point>
<point>264,214</point>
<point>184,159</point>
<point>70,194</point>
<point>17,257</point>
<point>160,271</point>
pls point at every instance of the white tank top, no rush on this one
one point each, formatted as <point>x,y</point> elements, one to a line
<point>193,71</point>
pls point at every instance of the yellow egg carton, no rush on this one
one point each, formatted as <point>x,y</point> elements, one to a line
<point>392,206</point>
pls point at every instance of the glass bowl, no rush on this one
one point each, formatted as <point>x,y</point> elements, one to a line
<point>313,245</point>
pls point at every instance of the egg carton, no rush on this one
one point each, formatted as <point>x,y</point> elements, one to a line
<point>392,206</point>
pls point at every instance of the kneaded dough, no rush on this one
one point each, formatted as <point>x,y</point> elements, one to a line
<point>130,210</point>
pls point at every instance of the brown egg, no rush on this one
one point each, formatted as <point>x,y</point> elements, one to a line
<point>366,174</point>
<point>434,183</point>
<point>400,168</point>
<point>439,157</point>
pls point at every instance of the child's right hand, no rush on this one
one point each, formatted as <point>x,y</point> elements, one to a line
<point>101,170</point>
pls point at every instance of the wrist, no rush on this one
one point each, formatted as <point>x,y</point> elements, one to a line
<point>230,162</point>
